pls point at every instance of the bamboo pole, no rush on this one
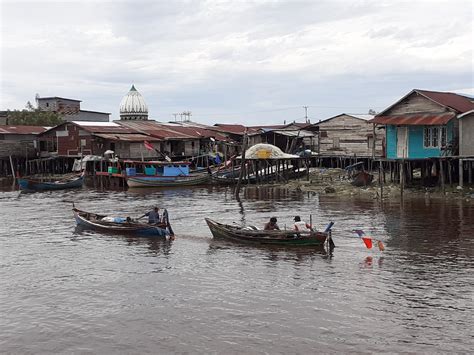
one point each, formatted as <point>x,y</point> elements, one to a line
<point>13,169</point>
<point>242,165</point>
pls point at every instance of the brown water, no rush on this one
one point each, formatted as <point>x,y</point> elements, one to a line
<point>64,290</point>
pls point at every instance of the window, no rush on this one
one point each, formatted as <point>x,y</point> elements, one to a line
<point>434,137</point>
<point>444,135</point>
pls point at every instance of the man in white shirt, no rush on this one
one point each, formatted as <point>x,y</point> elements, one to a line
<point>301,225</point>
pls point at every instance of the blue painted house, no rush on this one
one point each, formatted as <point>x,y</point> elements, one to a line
<point>424,124</point>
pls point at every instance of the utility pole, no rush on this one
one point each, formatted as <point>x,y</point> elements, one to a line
<point>305,113</point>
<point>175,114</point>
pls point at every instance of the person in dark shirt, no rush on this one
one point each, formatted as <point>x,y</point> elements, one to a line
<point>153,216</point>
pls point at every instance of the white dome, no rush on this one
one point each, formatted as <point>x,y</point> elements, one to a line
<point>133,106</point>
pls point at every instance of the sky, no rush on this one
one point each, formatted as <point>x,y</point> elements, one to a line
<point>246,62</point>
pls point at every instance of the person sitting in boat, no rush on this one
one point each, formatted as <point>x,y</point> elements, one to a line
<point>301,225</point>
<point>153,216</point>
<point>271,225</point>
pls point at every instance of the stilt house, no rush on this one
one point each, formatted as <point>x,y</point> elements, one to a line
<point>426,124</point>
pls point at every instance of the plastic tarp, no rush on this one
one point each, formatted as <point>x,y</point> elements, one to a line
<point>80,165</point>
<point>266,151</point>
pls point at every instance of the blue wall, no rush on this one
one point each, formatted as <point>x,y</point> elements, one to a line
<point>415,142</point>
<point>391,142</point>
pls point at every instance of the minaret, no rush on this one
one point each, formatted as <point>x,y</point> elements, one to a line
<point>133,106</point>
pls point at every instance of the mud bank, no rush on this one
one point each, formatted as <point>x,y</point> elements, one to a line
<point>337,182</point>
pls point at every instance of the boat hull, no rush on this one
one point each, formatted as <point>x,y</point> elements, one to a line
<point>92,221</point>
<point>167,181</point>
<point>35,185</point>
<point>283,237</point>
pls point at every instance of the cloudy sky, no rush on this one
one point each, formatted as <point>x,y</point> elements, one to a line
<point>237,61</point>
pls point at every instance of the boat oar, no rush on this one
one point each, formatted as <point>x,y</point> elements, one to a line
<point>368,240</point>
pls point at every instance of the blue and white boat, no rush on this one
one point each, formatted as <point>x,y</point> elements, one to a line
<point>163,174</point>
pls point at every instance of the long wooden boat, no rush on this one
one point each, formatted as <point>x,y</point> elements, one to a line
<point>38,185</point>
<point>121,225</point>
<point>167,181</point>
<point>276,237</point>
<point>161,174</point>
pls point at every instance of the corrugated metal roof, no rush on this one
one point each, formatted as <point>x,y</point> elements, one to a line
<point>96,123</point>
<point>300,133</point>
<point>362,117</point>
<point>129,137</point>
<point>230,128</point>
<point>155,129</point>
<point>427,119</point>
<point>456,101</point>
<point>197,132</point>
<point>22,129</point>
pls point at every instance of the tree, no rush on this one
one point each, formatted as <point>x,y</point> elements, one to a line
<point>31,116</point>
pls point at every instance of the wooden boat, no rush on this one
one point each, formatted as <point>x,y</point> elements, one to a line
<point>122,225</point>
<point>162,174</point>
<point>362,178</point>
<point>276,237</point>
<point>167,181</point>
<point>38,185</point>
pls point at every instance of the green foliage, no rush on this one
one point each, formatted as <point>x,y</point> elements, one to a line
<point>31,116</point>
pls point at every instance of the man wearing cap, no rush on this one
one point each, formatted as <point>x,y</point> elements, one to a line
<point>301,225</point>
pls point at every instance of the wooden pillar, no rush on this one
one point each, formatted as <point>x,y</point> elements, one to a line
<point>469,172</point>
<point>461,173</point>
<point>402,176</point>
<point>441,174</point>
<point>450,173</point>
<point>381,179</point>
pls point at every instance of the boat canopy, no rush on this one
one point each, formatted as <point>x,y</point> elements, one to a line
<point>266,151</point>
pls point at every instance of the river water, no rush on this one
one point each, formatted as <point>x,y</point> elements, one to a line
<point>65,290</point>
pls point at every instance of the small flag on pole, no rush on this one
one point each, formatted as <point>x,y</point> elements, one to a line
<point>148,145</point>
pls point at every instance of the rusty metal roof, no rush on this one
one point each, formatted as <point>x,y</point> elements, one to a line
<point>155,129</point>
<point>416,119</point>
<point>22,129</point>
<point>127,137</point>
<point>456,101</point>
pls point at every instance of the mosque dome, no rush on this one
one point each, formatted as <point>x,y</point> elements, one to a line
<point>133,106</point>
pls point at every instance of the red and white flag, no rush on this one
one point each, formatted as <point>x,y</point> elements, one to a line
<point>148,145</point>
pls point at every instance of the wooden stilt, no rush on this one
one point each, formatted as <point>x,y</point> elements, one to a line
<point>441,174</point>
<point>461,173</point>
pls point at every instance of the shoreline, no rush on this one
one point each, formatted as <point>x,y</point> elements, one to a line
<point>334,181</point>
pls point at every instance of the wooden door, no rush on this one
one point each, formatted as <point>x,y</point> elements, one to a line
<point>402,142</point>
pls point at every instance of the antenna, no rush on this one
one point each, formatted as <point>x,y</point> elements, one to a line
<point>306,113</point>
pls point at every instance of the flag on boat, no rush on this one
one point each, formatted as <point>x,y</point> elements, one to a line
<point>368,240</point>
<point>148,145</point>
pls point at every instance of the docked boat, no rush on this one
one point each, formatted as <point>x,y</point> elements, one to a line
<point>277,237</point>
<point>123,225</point>
<point>163,174</point>
<point>39,185</point>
